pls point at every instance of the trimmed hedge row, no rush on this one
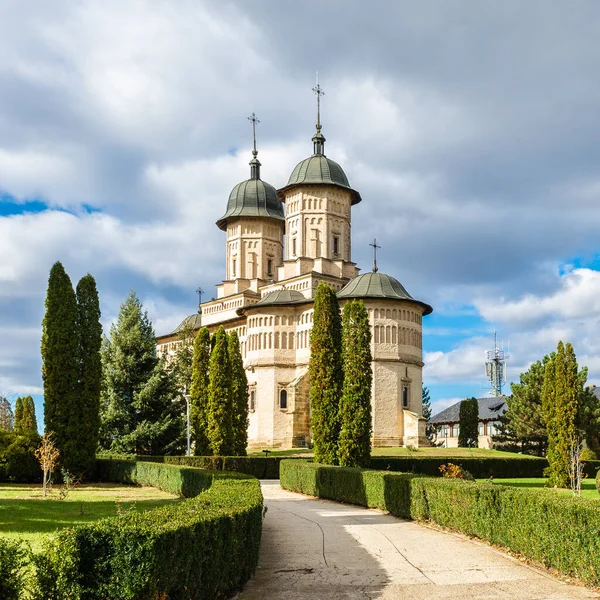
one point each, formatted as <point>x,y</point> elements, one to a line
<point>260,467</point>
<point>203,547</point>
<point>480,468</point>
<point>558,531</point>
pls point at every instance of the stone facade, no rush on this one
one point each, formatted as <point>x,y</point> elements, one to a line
<point>273,268</point>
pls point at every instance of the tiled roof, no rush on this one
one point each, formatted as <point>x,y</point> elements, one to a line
<point>489,408</point>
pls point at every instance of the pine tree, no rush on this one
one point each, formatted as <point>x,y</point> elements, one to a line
<point>426,402</point>
<point>60,363</point>
<point>239,395</point>
<point>199,392</point>
<point>142,409</point>
<point>86,418</point>
<point>220,406</point>
<point>182,363</point>
<point>524,420</point>
<point>468,432</point>
<point>354,447</point>
<point>6,415</point>
<point>25,419</point>
<point>326,374</point>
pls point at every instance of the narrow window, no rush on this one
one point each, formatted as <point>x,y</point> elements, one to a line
<point>293,246</point>
<point>269,266</point>
<point>336,245</point>
<point>283,399</point>
<point>233,267</point>
<point>284,341</point>
<point>252,400</point>
<point>405,396</point>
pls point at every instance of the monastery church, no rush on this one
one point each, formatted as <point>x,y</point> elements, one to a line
<point>280,244</point>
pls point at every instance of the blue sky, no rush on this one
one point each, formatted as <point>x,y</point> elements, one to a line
<point>470,130</point>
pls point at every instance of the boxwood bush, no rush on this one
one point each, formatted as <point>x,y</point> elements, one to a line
<point>556,530</point>
<point>205,546</point>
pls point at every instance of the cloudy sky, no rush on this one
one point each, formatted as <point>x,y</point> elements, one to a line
<point>471,129</point>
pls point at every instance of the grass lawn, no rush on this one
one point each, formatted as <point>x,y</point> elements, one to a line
<point>25,514</point>
<point>445,452</point>
<point>588,486</point>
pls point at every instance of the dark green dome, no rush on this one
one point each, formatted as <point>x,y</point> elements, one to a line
<point>252,198</point>
<point>378,286</point>
<point>320,170</point>
<point>281,297</point>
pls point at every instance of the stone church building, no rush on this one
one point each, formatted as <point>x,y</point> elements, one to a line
<point>279,245</point>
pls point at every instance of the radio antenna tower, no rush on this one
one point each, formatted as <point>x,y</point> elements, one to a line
<point>495,368</point>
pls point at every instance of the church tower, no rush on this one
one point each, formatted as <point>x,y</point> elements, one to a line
<point>254,223</point>
<point>318,200</point>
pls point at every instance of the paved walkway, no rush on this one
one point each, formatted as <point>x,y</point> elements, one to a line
<point>313,549</point>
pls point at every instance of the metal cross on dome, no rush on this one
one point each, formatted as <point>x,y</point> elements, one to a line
<point>255,122</point>
<point>375,246</point>
<point>319,92</point>
<point>199,291</point>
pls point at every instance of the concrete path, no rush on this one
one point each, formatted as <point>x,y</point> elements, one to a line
<point>314,549</point>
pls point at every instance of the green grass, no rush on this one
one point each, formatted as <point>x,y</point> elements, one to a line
<point>26,515</point>
<point>588,486</point>
<point>445,452</point>
<point>276,452</point>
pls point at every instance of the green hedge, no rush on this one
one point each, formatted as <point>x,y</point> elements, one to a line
<point>203,547</point>
<point>556,530</point>
<point>18,463</point>
<point>260,467</point>
<point>480,468</point>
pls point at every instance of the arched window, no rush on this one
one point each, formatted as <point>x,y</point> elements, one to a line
<point>405,396</point>
<point>277,339</point>
<point>291,340</point>
<point>376,336</point>
<point>277,320</point>
<point>284,320</point>
<point>388,337</point>
<point>270,340</point>
<point>283,399</point>
<point>284,341</point>
<point>394,335</point>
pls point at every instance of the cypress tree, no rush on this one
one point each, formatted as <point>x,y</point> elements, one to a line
<point>239,395</point>
<point>60,363</point>
<point>86,420</point>
<point>220,406</point>
<point>549,411</point>
<point>199,393</point>
<point>469,423</point>
<point>326,374</point>
<point>25,419</point>
<point>354,447</point>
<point>19,408</point>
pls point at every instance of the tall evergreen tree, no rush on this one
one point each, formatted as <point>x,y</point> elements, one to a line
<point>220,405</point>
<point>549,412</point>
<point>326,374</point>
<point>354,447</point>
<point>426,402</point>
<point>239,395</point>
<point>6,415</point>
<point>25,419</point>
<point>142,409</point>
<point>60,364</point>
<point>524,421</point>
<point>182,363</point>
<point>199,398</point>
<point>18,422</point>
<point>86,418</point>
<point>468,433</point>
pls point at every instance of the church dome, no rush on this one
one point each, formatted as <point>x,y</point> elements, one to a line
<point>281,297</point>
<point>380,286</point>
<point>252,198</point>
<point>320,170</point>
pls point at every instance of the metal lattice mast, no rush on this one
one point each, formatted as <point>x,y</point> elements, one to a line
<point>495,368</point>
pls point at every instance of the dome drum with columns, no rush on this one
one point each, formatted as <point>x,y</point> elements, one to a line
<point>280,244</point>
